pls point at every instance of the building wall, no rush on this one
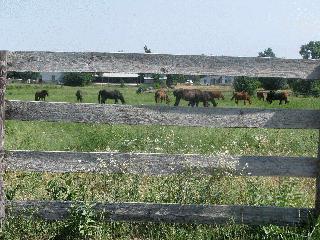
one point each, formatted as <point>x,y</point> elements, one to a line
<point>52,76</point>
<point>211,80</point>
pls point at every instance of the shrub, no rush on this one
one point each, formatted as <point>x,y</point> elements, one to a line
<point>122,83</point>
<point>77,79</point>
<point>273,83</point>
<point>246,84</point>
<point>303,87</point>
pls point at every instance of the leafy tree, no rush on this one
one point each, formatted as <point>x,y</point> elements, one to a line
<point>307,88</point>
<point>267,53</point>
<point>141,78</point>
<point>310,50</point>
<point>77,79</point>
<point>246,84</point>
<point>146,49</point>
<point>197,79</point>
<point>269,83</point>
<point>24,75</point>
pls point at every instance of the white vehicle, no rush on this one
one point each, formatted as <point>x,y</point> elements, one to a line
<point>189,82</point>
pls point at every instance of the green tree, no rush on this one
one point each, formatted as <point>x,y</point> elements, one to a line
<point>270,83</point>
<point>24,75</point>
<point>306,88</point>
<point>141,78</point>
<point>267,53</point>
<point>77,79</point>
<point>310,50</point>
<point>246,84</point>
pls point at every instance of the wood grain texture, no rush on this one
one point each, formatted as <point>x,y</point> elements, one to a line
<point>169,213</point>
<point>163,63</point>
<point>163,115</point>
<point>3,76</point>
<point>159,164</point>
<point>317,197</point>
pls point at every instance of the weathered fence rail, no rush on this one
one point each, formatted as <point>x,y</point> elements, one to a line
<point>163,115</point>
<point>160,164</point>
<point>162,63</point>
<point>170,213</point>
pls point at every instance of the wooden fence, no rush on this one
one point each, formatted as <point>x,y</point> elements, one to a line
<point>160,164</point>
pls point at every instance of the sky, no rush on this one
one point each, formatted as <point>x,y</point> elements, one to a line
<point>210,27</point>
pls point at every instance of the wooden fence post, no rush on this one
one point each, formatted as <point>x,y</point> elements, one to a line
<point>3,76</point>
<point>317,200</point>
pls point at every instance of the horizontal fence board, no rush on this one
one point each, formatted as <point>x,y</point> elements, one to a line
<point>169,213</point>
<point>159,164</point>
<point>163,63</point>
<point>163,115</point>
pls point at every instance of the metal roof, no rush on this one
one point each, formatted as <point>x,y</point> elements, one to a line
<point>120,75</point>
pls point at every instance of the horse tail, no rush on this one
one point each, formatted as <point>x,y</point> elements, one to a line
<point>99,97</point>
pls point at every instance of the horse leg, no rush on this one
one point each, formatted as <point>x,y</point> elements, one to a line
<point>213,103</point>
<point>244,101</point>
<point>177,101</point>
<point>280,103</point>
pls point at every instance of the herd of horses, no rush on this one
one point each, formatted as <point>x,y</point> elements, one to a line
<point>192,96</point>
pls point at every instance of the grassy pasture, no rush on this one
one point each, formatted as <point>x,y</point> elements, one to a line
<point>219,188</point>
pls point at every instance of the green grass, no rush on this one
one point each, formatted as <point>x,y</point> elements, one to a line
<point>190,187</point>
<point>67,94</point>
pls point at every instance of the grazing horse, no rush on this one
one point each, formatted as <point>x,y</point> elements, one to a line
<point>41,95</point>
<point>161,95</point>
<point>193,96</point>
<point>79,96</point>
<point>261,95</point>
<point>103,95</point>
<point>241,96</point>
<point>217,94</point>
<point>281,96</point>
<point>209,96</point>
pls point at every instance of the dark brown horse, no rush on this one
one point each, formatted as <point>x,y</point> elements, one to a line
<point>241,96</point>
<point>281,96</point>
<point>193,96</point>
<point>217,94</point>
<point>209,96</point>
<point>161,95</point>
<point>41,95</point>
<point>79,96</point>
<point>103,95</point>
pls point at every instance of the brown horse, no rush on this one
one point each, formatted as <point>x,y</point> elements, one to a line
<point>193,96</point>
<point>161,95</point>
<point>41,95</point>
<point>241,96</point>
<point>281,96</point>
<point>209,96</point>
<point>217,94</point>
<point>261,95</point>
